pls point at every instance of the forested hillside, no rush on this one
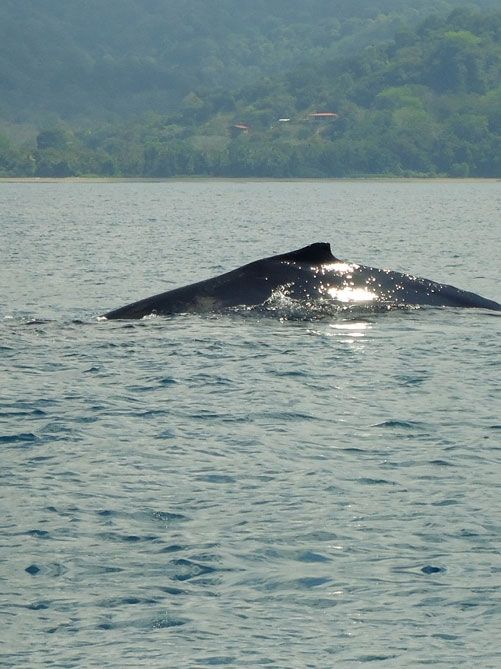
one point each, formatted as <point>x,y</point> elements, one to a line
<point>88,60</point>
<point>426,102</point>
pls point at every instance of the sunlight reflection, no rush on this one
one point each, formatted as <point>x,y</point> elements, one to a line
<point>354,329</point>
<point>352,325</point>
<point>349,294</point>
<point>340,267</point>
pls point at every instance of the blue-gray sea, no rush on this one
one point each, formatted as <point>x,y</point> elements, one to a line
<point>246,490</point>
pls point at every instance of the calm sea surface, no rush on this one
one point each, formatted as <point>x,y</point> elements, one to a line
<point>246,491</point>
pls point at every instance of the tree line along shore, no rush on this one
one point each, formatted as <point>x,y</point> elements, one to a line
<point>425,103</point>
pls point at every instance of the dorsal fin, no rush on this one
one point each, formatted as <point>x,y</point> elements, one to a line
<point>317,253</point>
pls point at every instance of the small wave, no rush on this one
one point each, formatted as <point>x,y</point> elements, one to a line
<point>128,538</point>
<point>37,321</point>
<point>25,438</point>
<point>126,600</point>
<point>405,424</point>
<point>53,569</point>
<point>371,481</point>
<point>161,621</point>
<point>217,661</point>
<point>38,534</point>
<point>433,569</point>
<point>185,570</point>
<point>216,478</point>
<point>24,412</point>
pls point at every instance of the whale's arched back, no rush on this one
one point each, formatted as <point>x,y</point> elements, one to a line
<point>309,273</point>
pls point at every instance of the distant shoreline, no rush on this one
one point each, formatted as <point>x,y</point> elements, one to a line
<point>111,180</point>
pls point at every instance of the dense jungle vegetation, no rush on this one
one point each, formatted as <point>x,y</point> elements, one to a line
<point>229,89</point>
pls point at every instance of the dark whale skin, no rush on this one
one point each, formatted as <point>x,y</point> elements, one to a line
<point>309,273</point>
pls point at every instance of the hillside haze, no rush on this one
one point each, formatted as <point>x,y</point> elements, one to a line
<point>323,89</point>
<point>89,60</point>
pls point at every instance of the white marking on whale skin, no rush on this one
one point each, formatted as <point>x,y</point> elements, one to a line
<point>204,303</point>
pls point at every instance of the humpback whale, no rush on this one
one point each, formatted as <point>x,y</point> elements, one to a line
<point>310,274</point>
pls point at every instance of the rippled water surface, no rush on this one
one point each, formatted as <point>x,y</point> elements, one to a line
<point>204,491</point>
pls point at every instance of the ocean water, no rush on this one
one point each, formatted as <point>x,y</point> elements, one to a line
<point>208,490</point>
